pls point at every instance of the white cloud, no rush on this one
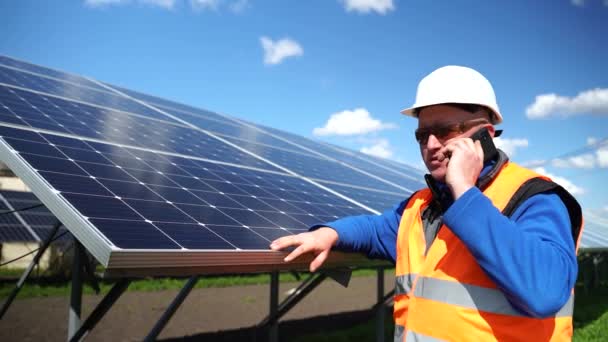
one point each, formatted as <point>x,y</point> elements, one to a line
<point>382,148</point>
<point>568,185</point>
<point>534,163</point>
<point>167,4</point>
<point>590,160</point>
<point>239,6</point>
<point>101,3</point>
<point>510,145</point>
<point>601,156</point>
<point>592,140</point>
<point>352,122</point>
<point>583,161</point>
<point>236,6</point>
<point>594,101</point>
<point>202,5</point>
<point>367,6</point>
<point>276,51</point>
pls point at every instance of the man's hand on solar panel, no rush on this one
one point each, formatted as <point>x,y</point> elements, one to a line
<point>319,242</point>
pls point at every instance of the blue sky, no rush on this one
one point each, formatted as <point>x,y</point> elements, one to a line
<point>340,70</point>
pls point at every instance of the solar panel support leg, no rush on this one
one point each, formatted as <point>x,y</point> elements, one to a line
<point>380,305</point>
<point>76,289</point>
<point>273,332</point>
<point>288,303</point>
<point>30,268</point>
<point>101,309</point>
<point>177,302</point>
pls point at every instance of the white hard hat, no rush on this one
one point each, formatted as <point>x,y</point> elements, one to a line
<point>455,84</point>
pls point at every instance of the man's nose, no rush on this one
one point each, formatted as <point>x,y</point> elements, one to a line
<point>432,142</point>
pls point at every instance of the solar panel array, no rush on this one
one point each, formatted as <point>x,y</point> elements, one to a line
<point>595,234</point>
<point>23,218</point>
<point>144,182</point>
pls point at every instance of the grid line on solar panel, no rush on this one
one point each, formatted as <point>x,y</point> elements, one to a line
<point>17,79</point>
<point>17,227</point>
<point>16,214</point>
<point>251,153</point>
<point>76,142</point>
<point>387,164</point>
<point>278,156</point>
<point>18,98</point>
<point>286,212</point>
<point>128,131</point>
<point>312,166</point>
<point>595,232</point>
<point>353,161</point>
<point>231,128</point>
<point>43,71</point>
<point>172,105</point>
<point>237,125</point>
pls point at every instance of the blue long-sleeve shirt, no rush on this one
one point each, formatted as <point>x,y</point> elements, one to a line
<point>530,255</point>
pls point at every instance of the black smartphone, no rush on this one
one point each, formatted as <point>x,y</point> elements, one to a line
<point>489,150</point>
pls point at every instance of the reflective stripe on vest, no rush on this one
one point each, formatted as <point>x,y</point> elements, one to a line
<point>475,297</point>
<point>418,337</point>
<point>403,283</point>
<point>399,330</point>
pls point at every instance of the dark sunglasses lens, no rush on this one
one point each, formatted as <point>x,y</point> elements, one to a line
<point>421,136</point>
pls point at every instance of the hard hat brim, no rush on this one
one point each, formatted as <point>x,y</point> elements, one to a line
<point>411,111</point>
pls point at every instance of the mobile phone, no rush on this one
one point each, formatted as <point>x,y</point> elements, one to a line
<point>489,150</point>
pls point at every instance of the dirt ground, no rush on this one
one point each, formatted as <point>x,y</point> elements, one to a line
<point>214,314</point>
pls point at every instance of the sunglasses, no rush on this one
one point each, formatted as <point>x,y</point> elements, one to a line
<point>443,132</point>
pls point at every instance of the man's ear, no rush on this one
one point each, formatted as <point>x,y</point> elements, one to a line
<point>491,130</point>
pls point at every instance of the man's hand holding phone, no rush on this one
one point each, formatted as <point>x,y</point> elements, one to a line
<point>466,159</point>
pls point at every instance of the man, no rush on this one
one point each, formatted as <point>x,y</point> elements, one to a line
<point>488,251</point>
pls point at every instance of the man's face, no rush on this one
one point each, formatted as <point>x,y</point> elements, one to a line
<point>442,124</point>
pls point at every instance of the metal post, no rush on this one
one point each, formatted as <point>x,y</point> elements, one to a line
<point>177,302</point>
<point>380,305</point>
<point>101,309</point>
<point>273,331</point>
<point>29,269</point>
<point>76,290</point>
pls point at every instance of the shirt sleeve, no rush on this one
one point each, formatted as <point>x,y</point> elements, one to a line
<point>531,255</point>
<point>373,235</point>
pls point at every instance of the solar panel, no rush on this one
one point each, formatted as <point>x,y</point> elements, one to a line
<point>595,234</point>
<point>152,186</point>
<point>32,224</point>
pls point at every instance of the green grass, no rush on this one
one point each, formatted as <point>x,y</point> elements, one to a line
<point>591,315</point>
<point>47,287</point>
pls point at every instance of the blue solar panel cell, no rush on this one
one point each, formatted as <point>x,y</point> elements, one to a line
<point>77,184</point>
<point>194,236</point>
<point>207,214</point>
<point>134,234</point>
<point>48,72</point>
<point>102,207</point>
<point>41,163</point>
<point>66,90</point>
<point>241,237</point>
<point>31,222</point>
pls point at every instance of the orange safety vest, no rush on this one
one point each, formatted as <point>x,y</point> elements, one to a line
<point>446,295</point>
